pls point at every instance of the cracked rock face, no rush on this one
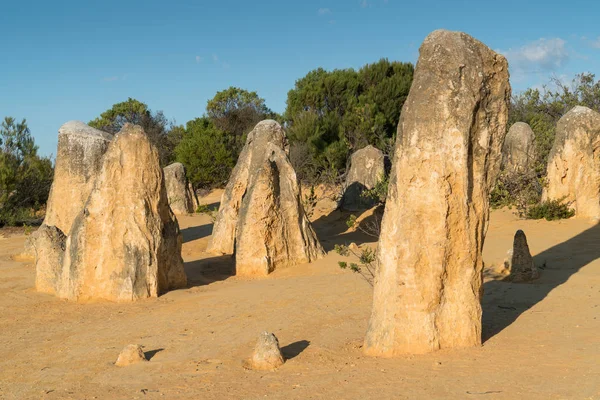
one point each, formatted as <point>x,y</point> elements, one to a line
<point>261,217</point>
<point>125,243</point>
<point>448,152</point>
<point>367,168</point>
<point>518,151</point>
<point>78,163</point>
<point>574,163</point>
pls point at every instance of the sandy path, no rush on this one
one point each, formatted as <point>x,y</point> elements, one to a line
<point>541,340</point>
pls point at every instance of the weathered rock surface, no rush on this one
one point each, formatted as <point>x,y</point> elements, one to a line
<point>195,201</point>
<point>518,152</point>
<point>574,163</point>
<point>78,163</point>
<point>267,355</point>
<point>250,159</point>
<point>131,354</point>
<point>178,189</point>
<point>125,244</point>
<point>521,266</point>
<point>367,168</point>
<point>261,213</point>
<point>272,230</point>
<point>448,152</point>
<point>48,246</point>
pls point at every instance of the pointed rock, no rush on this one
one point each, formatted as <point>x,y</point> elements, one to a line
<point>428,281</point>
<point>267,354</point>
<point>178,189</point>
<point>521,267</point>
<point>125,244</point>
<point>261,212</point>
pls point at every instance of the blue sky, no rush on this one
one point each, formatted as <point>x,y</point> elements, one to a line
<point>64,60</point>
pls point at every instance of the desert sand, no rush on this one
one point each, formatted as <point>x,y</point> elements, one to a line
<point>540,340</point>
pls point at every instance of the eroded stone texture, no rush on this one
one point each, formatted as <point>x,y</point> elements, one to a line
<point>251,158</point>
<point>178,189</point>
<point>131,354</point>
<point>78,163</point>
<point>448,153</point>
<point>48,248</point>
<point>272,229</point>
<point>367,168</point>
<point>267,355</point>
<point>574,163</point>
<point>521,267</point>
<point>125,244</point>
<point>518,152</point>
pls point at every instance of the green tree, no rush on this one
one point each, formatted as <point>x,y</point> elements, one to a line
<point>235,112</point>
<point>330,114</point>
<point>25,178</point>
<point>155,125</point>
<point>204,151</point>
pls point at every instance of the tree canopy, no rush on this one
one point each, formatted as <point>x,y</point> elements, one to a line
<point>330,113</point>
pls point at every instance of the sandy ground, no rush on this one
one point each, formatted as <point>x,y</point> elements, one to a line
<point>541,340</point>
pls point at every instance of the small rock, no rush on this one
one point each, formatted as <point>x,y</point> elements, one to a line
<point>267,355</point>
<point>522,268</point>
<point>131,354</point>
<point>353,247</point>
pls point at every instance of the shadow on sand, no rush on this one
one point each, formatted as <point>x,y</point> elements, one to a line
<point>208,270</point>
<point>293,349</point>
<point>196,232</point>
<point>331,229</point>
<point>504,302</point>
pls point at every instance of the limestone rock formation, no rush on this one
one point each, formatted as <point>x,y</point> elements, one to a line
<point>78,163</point>
<point>125,244</point>
<point>178,189</point>
<point>266,355</point>
<point>574,163</point>
<point>195,201</point>
<point>131,354</point>
<point>518,152</point>
<point>428,281</point>
<point>521,265</point>
<point>48,248</point>
<point>261,213</point>
<point>251,157</point>
<point>367,168</point>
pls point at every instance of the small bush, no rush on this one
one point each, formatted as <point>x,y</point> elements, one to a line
<point>366,257</point>
<point>351,221</point>
<point>206,209</point>
<point>379,192</point>
<point>517,190</point>
<point>551,210</point>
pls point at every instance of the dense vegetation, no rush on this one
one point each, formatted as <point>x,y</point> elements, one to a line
<point>25,177</point>
<point>329,114</point>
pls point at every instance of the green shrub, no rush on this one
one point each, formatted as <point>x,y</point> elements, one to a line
<point>551,210</point>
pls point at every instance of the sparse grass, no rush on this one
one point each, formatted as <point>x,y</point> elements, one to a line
<point>550,210</point>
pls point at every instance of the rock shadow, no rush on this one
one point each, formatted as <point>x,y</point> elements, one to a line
<point>151,353</point>
<point>294,349</point>
<point>208,270</point>
<point>503,302</point>
<point>196,232</point>
<point>333,228</point>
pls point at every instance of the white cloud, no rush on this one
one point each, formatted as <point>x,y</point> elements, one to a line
<point>595,43</point>
<point>539,55</point>
<point>364,4</point>
<point>323,11</point>
<point>198,59</point>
